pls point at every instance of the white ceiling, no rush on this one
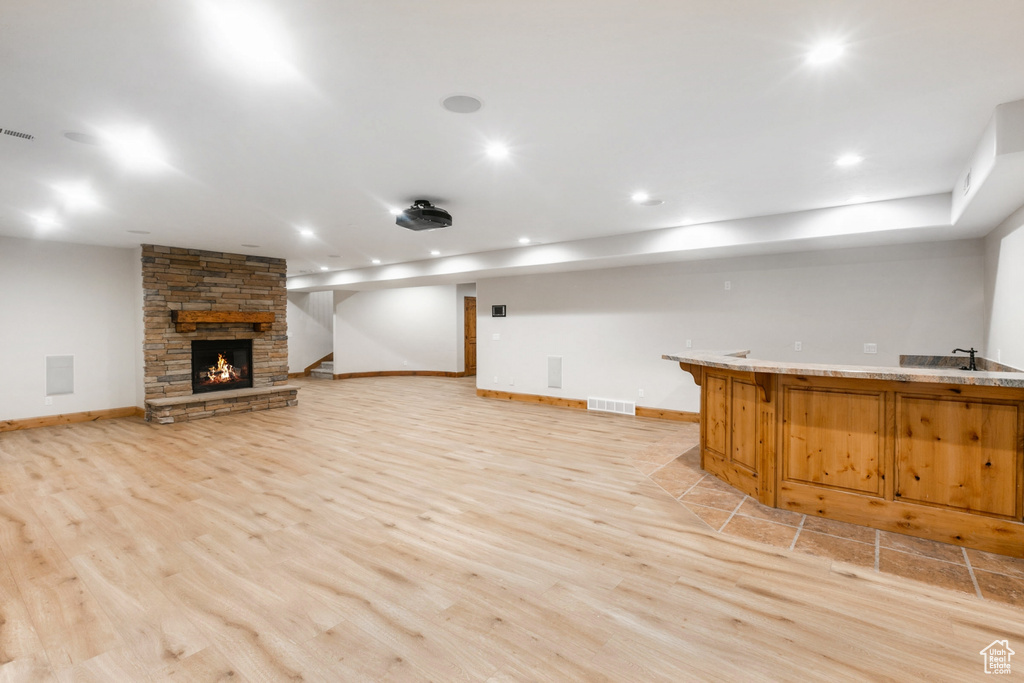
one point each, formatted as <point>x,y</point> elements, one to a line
<point>707,105</point>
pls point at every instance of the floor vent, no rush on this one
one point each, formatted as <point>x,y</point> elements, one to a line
<point>607,405</point>
<point>23,136</point>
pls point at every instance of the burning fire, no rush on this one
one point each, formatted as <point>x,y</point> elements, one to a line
<point>222,372</point>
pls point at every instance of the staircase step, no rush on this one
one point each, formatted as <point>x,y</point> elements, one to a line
<point>327,365</point>
<point>320,373</point>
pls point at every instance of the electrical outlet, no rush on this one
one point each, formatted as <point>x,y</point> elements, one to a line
<point>496,337</point>
<point>405,362</point>
<point>798,346</point>
<point>728,285</point>
<point>871,348</point>
<point>640,393</point>
<point>511,381</point>
<point>689,343</point>
<point>999,355</point>
<point>495,379</point>
<point>48,400</point>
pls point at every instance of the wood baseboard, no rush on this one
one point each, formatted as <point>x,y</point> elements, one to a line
<point>581,404</point>
<point>294,375</point>
<point>70,418</point>
<point>399,373</point>
<point>533,398</point>
<point>660,414</point>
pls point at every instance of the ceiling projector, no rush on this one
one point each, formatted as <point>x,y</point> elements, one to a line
<point>423,215</point>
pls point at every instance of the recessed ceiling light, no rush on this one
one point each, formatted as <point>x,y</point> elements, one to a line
<point>497,150</point>
<point>524,240</point>
<point>251,246</point>
<point>134,148</point>
<point>462,104</point>
<point>306,232</point>
<point>140,232</point>
<point>435,252</point>
<point>375,261</point>
<point>324,268</point>
<point>77,196</point>
<point>334,256</point>
<point>653,202</point>
<point>640,197</point>
<point>826,52</point>
<point>46,219</point>
<point>849,160</point>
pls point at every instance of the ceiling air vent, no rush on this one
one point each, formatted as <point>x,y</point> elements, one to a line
<point>23,136</point>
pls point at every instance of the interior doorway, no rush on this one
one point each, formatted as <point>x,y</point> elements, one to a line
<point>470,334</point>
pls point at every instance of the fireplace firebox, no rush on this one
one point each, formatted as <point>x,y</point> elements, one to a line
<point>221,364</point>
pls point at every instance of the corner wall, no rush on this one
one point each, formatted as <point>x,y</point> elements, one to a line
<point>67,299</point>
<point>406,330</point>
<point>611,326</point>
<point>310,328</point>
<point>1004,292</point>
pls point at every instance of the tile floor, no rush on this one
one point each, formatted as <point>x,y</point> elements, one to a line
<point>674,464</point>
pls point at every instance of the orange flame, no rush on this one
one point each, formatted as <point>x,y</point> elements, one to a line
<point>222,372</point>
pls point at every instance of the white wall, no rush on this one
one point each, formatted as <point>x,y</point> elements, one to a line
<point>310,328</point>
<point>140,326</point>
<point>412,328</point>
<point>1004,285</point>
<point>612,326</point>
<point>65,299</point>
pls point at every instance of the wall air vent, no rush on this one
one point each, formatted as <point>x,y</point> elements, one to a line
<point>23,136</point>
<point>607,405</point>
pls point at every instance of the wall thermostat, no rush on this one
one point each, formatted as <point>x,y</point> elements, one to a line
<point>498,311</point>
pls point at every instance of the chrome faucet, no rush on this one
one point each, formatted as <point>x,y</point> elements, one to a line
<point>972,351</point>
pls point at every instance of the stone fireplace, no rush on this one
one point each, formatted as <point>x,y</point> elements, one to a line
<point>215,334</point>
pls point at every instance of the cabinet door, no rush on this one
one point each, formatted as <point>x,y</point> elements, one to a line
<point>743,437</point>
<point>834,438</point>
<point>962,454</point>
<point>716,414</point>
<point>730,430</point>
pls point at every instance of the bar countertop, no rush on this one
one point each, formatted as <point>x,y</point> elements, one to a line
<point>924,449</point>
<point>737,360</point>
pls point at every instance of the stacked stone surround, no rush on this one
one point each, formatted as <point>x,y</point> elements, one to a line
<point>192,280</point>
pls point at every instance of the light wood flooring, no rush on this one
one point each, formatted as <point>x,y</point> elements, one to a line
<point>404,529</point>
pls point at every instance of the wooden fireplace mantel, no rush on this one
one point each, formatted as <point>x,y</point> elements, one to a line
<point>186,321</point>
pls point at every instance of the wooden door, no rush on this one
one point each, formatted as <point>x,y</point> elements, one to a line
<point>470,336</point>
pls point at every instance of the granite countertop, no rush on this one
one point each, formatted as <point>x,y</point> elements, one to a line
<point>737,360</point>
